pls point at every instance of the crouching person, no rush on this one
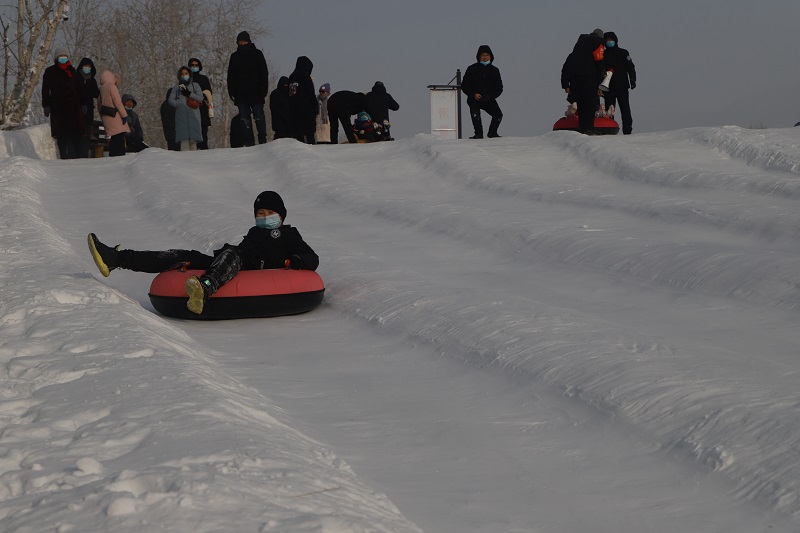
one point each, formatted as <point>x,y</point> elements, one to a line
<point>268,244</point>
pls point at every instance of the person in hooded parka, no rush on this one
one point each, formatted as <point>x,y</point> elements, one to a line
<point>188,131</point>
<point>379,103</point>
<point>483,85</point>
<point>303,101</point>
<point>624,78</point>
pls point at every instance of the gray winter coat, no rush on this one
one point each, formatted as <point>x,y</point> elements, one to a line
<point>187,120</point>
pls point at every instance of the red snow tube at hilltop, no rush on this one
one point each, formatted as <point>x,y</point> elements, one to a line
<point>251,294</point>
<point>606,126</point>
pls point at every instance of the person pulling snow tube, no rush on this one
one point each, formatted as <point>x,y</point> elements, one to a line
<point>251,294</point>
<point>602,125</point>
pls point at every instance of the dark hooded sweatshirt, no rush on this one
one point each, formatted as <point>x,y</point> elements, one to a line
<point>482,79</point>
<point>205,85</point>
<point>620,60</point>
<point>379,102</point>
<point>279,109</point>
<point>302,97</point>
<point>581,62</point>
<point>89,90</point>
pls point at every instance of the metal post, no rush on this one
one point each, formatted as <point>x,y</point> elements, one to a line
<point>458,106</point>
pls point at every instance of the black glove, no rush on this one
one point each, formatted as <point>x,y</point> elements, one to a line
<point>124,120</point>
<point>47,111</point>
<point>633,85</point>
<point>184,90</point>
<point>296,262</point>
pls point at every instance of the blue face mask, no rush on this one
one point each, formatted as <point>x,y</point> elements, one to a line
<point>610,44</point>
<point>484,63</point>
<point>195,69</point>
<point>86,70</point>
<point>185,79</point>
<point>63,60</point>
<point>270,222</point>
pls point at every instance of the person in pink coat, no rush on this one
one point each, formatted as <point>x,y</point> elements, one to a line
<point>116,126</point>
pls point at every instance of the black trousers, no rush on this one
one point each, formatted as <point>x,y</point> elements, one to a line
<point>335,118</point>
<point>116,145</point>
<point>219,270</point>
<point>492,108</point>
<point>584,90</point>
<point>623,98</point>
<point>69,147</point>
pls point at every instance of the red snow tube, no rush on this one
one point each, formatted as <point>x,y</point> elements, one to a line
<point>251,294</point>
<point>606,126</point>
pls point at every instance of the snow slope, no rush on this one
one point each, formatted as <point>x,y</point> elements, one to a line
<point>558,333</point>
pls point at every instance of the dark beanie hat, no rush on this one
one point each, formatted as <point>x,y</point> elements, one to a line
<point>243,36</point>
<point>272,201</point>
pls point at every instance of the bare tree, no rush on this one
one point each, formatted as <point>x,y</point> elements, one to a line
<point>152,39</point>
<point>27,35</point>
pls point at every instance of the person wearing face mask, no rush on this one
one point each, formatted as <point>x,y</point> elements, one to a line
<point>186,98</point>
<point>134,141</point>
<point>89,92</point>
<point>248,86</point>
<point>280,115</point>
<point>624,78</point>
<point>581,75</point>
<point>268,244</point>
<point>483,84</point>
<point>207,108</point>
<point>61,101</point>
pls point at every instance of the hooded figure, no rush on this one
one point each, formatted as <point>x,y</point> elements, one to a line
<point>279,109</point>
<point>62,100</point>
<point>624,78</point>
<point>248,86</point>
<point>483,84</point>
<point>207,107</point>
<point>379,102</point>
<point>134,141</point>
<point>303,101</point>
<point>582,72</point>
<point>116,126</point>
<point>188,131</point>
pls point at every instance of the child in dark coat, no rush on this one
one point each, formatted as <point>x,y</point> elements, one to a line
<point>269,244</point>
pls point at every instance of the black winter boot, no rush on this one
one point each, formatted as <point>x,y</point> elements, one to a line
<point>105,257</point>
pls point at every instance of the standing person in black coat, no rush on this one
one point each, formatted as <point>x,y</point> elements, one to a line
<point>581,74</point>
<point>341,106</point>
<point>279,110</point>
<point>483,85</point>
<point>248,86</point>
<point>207,107</point>
<point>624,78</point>
<point>379,102</point>
<point>62,100</point>
<point>89,92</point>
<point>303,101</point>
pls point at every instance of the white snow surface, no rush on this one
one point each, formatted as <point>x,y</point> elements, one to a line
<point>551,334</point>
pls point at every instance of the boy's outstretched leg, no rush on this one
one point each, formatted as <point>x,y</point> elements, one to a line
<point>223,269</point>
<point>105,257</point>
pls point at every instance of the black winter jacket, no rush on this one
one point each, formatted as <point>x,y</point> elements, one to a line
<point>581,62</point>
<point>205,85</point>
<point>248,76</point>
<point>270,248</point>
<point>620,60</point>
<point>379,102</point>
<point>303,97</point>
<point>347,103</point>
<point>482,80</point>
<point>279,109</point>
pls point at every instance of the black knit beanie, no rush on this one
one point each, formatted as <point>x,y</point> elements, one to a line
<point>272,201</point>
<point>243,36</point>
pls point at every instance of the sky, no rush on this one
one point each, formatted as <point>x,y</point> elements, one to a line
<point>705,63</point>
<point>553,333</point>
